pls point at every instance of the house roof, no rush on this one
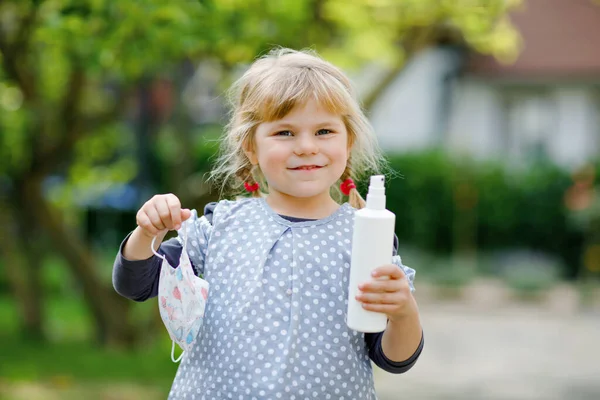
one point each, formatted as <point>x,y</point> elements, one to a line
<point>561,38</point>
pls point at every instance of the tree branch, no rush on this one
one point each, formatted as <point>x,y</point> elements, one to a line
<point>23,37</point>
<point>12,70</point>
<point>14,53</point>
<point>71,125</point>
<point>374,94</point>
<point>413,41</point>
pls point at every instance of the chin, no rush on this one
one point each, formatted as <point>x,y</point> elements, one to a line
<point>301,189</point>
<point>307,191</point>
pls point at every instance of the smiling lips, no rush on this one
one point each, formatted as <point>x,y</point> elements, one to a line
<point>306,168</point>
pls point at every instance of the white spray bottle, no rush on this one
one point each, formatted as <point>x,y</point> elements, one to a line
<point>372,247</point>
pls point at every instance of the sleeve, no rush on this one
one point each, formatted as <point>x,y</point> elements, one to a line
<point>376,355</point>
<point>138,280</point>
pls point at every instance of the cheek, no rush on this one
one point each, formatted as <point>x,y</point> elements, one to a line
<point>275,153</point>
<point>340,152</point>
<point>344,151</point>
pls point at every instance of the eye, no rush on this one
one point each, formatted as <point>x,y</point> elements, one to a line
<point>283,133</point>
<point>321,132</point>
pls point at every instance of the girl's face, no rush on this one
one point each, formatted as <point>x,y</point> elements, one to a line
<point>302,154</point>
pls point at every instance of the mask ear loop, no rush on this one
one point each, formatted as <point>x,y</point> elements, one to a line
<point>173,353</point>
<point>184,240</point>
<point>154,251</point>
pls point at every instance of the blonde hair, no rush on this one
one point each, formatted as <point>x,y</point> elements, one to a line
<point>268,91</point>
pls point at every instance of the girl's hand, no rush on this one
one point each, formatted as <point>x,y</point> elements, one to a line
<point>160,214</point>
<point>390,296</point>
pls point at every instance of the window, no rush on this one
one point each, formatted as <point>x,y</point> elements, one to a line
<point>530,123</point>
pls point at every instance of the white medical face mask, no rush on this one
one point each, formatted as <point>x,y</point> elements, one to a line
<point>182,300</point>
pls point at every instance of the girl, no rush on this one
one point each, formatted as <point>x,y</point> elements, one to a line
<point>278,262</point>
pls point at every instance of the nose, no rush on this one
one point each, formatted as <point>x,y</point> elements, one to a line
<point>306,144</point>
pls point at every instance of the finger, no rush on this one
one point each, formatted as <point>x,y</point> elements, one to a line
<point>144,222</point>
<point>381,308</point>
<point>382,286</point>
<point>379,298</point>
<point>154,217</point>
<point>185,214</point>
<point>174,210</point>
<point>164,213</point>
<point>391,270</point>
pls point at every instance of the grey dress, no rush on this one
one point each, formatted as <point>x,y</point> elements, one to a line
<point>275,320</point>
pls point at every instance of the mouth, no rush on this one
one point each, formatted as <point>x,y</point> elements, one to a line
<point>306,168</point>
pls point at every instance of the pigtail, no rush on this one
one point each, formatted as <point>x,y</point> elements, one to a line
<point>356,200</point>
<point>348,188</point>
<point>246,176</point>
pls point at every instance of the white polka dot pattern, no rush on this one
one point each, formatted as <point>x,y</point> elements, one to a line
<point>275,320</point>
<point>198,232</point>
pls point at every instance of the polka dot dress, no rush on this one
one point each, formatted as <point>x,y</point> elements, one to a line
<point>275,325</point>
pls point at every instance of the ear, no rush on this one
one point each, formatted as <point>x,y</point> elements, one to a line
<point>350,144</point>
<point>251,153</point>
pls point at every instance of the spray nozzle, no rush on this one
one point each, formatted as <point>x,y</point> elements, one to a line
<point>377,182</point>
<point>376,194</point>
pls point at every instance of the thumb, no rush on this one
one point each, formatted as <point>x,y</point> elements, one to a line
<point>185,214</point>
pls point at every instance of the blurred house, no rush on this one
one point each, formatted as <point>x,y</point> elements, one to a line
<point>546,104</point>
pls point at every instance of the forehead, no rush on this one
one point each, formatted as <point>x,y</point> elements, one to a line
<point>311,111</point>
<point>285,90</point>
<point>273,110</point>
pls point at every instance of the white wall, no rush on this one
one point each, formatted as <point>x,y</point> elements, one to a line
<point>563,118</point>
<point>576,138</point>
<point>405,117</point>
<point>475,122</point>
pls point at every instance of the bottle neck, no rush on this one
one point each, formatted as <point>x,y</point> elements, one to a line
<point>375,202</point>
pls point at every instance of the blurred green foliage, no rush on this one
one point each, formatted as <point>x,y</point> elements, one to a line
<point>509,208</point>
<point>72,356</point>
<point>68,68</point>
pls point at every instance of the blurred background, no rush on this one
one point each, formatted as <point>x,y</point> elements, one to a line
<point>488,111</point>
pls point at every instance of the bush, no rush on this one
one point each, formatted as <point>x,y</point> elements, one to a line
<point>443,205</point>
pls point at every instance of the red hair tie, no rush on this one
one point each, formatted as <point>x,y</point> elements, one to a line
<point>251,188</point>
<point>347,185</point>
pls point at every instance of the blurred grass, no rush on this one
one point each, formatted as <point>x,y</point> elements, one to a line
<point>71,363</point>
<point>109,391</point>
